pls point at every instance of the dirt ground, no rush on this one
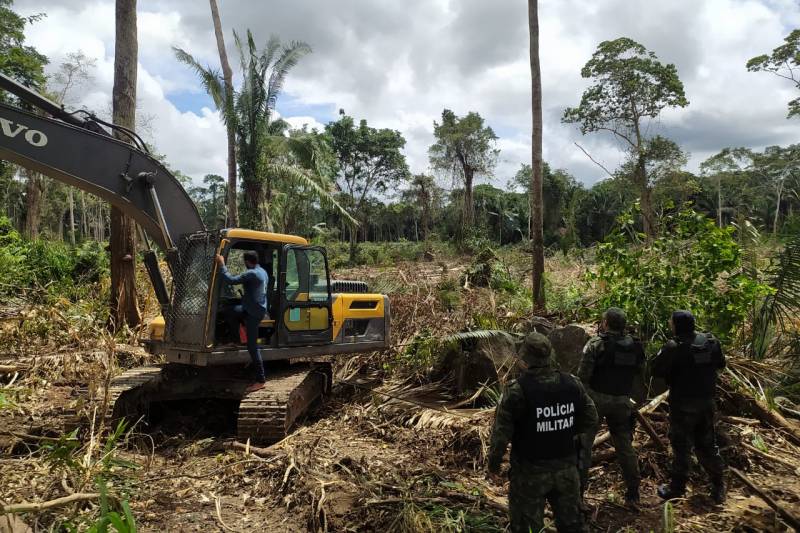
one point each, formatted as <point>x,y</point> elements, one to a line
<point>377,455</point>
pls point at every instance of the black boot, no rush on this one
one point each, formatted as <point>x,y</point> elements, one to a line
<point>632,497</point>
<point>718,491</point>
<point>672,490</point>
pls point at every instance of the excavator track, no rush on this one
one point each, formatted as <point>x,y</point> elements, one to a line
<point>128,382</point>
<point>267,415</point>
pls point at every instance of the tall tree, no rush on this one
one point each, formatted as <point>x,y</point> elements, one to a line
<point>124,301</point>
<point>26,65</point>
<point>370,162</point>
<point>784,62</point>
<point>232,218</point>
<point>537,228</point>
<point>464,148</point>
<point>631,88</point>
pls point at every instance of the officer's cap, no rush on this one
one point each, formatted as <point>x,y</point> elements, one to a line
<point>615,318</point>
<point>535,349</point>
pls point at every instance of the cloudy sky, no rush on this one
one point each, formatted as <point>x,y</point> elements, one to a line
<point>399,63</point>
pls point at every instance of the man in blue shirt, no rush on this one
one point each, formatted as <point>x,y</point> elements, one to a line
<point>252,309</point>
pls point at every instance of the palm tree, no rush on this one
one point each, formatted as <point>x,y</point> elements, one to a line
<point>260,140</point>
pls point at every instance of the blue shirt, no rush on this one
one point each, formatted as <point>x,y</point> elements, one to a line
<point>254,281</point>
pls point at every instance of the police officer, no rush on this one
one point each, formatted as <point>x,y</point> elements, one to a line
<point>540,414</point>
<point>689,363</point>
<point>611,368</point>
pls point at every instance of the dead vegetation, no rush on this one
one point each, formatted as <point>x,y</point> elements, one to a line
<point>390,450</point>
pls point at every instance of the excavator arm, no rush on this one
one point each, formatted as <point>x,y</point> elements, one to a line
<point>81,152</point>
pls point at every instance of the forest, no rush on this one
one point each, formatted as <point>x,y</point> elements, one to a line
<point>109,422</point>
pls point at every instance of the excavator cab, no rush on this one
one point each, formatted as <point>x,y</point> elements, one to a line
<point>307,316</point>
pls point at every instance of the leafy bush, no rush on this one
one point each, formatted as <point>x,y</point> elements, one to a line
<point>692,264</point>
<point>55,266</point>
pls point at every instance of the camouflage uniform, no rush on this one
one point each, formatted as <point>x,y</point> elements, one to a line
<point>689,364</point>
<point>533,482</point>
<point>616,409</point>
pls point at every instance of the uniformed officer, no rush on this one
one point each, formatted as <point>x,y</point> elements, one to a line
<point>611,368</point>
<point>541,414</point>
<point>690,363</point>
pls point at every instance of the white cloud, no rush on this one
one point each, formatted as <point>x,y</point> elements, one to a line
<point>398,64</point>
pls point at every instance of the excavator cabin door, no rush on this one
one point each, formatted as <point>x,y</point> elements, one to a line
<point>305,314</point>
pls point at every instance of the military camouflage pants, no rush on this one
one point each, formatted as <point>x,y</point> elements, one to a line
<point>694,428</point>
<point>530,491</point>
<point>619,417</point>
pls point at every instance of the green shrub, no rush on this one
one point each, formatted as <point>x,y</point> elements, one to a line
<point>62,270</point>
<point>692,264</point>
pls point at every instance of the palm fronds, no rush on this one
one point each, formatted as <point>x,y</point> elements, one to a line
<point>302,176</point>
<point>476,335</point>
<point>782,305</point>
<point>212,81</point>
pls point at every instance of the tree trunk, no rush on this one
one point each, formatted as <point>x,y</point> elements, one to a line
<point>124,301</point>
<point>232,219</point>
<point>34,191</point>
<point>537,217</point>
<point>468,217</point>
<point>719,200</point>
<point>353,245</point>
<point>253,203</point>
<point>84,219</point>
<point>645,198</point>
<point>777,208</point>
<point>71,216</point>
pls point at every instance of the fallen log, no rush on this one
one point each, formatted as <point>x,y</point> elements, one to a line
<point>767,416</point>
<point>255,450</point>
<point>771,457</point>
<point>786,515</point>
<point>31,507</point>
<point>650,407</point>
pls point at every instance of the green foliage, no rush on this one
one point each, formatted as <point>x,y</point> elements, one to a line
<point>37,264</point>
<point>82,463</point>
<point>691,264</point>
<point>630,83</point>
<point>781,305</point>
<point>17,60</point>
<point>783,62</point>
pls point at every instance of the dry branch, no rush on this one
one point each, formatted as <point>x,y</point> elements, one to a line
<point>650,407</point>
<point>30,507</point>
<point>771,457</point>
<point>786,515</point>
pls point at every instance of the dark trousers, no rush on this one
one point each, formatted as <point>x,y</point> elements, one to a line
<point>694,428</point>
<point>236,315</point>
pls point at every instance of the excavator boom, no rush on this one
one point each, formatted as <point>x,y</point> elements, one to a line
<point>83,154</point>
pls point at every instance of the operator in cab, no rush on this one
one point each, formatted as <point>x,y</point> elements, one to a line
<point>252,309</point>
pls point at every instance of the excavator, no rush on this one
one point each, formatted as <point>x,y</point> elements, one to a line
<point>312,320</point>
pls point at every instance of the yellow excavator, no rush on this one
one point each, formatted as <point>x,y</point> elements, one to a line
<point>312,319</point>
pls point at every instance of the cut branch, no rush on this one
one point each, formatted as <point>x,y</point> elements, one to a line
<point>786,515</point>
<point>593,160</point>
<point>29,507</point>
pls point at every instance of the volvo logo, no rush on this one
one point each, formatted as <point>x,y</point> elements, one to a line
<point>33,137</point>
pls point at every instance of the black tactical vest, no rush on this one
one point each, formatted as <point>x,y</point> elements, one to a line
<point>617,365</point>
<point>694,368</point>
<point>548,430</point>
